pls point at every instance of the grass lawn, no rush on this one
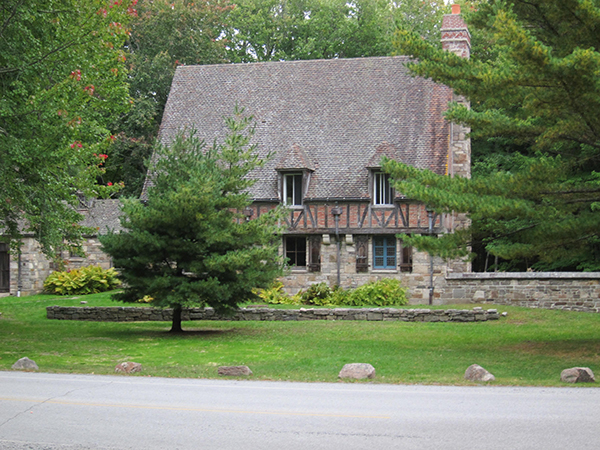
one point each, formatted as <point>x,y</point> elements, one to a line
<point>527,348</point>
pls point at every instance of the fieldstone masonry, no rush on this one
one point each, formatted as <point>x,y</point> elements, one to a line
<point>572,291</point>
<point>138,314</point>
<point>416,281</point>
<point>35,267</point>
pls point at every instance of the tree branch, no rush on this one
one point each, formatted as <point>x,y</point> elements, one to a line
<point>8,19</point>
<point>574,191</point>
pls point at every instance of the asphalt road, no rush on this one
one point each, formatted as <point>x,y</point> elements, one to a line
<point>55,411</point>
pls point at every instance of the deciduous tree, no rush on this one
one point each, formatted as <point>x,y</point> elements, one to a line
<point>62,80</point>
<point>275,30</point>
<point>164,34</point>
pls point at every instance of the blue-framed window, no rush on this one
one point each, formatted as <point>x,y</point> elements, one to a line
<point>384,252</point>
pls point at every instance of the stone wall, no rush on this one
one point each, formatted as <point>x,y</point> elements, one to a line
<point>35,267</point>
<point>136,314</point>
<point>573,291</point>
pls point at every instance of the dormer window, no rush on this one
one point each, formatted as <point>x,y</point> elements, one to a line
<point>292,189</point>
<point>294,169</point>
<point>383,193</point>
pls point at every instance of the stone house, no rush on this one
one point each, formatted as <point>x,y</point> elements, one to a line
<point>26,274</point>
<point>328,123</point>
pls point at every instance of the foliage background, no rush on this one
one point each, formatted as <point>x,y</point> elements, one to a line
<point>62,81</point>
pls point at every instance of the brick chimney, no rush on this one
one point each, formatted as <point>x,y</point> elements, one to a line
<point>455,34</point>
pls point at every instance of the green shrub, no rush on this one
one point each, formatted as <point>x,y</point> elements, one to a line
<point>86,280</point>
<point>385,292</point>
<point>339,297</point>
<point>275,295</point>
<point>317,294</point>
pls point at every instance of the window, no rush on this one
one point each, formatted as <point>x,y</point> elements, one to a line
<point>292,189</point>
<point>382,191</point>
<point>295,250</point>
<point>384,252</point>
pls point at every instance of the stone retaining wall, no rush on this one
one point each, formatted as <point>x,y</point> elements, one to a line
<point>135,314</point>
<point>572,291</point>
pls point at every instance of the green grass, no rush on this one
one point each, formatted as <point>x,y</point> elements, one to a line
<point>527,348</point>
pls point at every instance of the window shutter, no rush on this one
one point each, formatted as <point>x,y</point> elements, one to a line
<point>314,245</point>
<point>362,253</point>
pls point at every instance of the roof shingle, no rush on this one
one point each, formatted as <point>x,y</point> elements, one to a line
<point>331,116</point>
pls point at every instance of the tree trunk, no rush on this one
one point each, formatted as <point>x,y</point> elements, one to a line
<point>176,326</point>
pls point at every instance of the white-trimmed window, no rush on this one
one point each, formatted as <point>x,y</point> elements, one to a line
<point>383,193</point>
<point>292,189</point>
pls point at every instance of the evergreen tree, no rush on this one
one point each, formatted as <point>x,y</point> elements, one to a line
<point>533,87</point>
<point>188,244</point>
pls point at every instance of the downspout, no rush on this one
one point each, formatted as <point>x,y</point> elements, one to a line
<point>430,231</point>
<point>19,279</point>
<point>337,211</point>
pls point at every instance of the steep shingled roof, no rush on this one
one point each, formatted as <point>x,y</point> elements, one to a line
<point>103,215</point>
<point>334,115</point>
<point>294,158</point>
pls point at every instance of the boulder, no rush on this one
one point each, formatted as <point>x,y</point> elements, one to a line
<point>128,367</point>
<point>25,364</point>
<point>477,373</point>
<point>357,371</point>
<point>577,375</point>
<point>234,371</point>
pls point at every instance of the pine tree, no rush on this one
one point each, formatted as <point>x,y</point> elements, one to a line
<point>188,244</point>
<point>533,86</point>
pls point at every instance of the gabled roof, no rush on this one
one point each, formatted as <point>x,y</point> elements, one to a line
<point>103,215</point>
<point>385,149</point>
<point>100,214</point>
<point>330,116</point>
<point>294,158</point>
